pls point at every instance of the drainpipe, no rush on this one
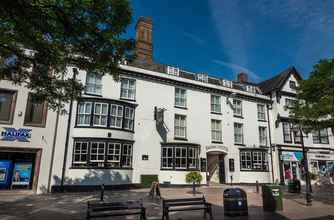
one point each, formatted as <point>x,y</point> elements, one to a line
<point>53,149</point>
<point>75,72</point>
<point>271,150</point>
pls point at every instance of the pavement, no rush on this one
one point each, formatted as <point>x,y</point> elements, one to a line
<point>18,205</point>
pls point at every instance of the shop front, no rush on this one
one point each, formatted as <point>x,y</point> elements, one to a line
<point>290,164</point>
<point>321,163</point>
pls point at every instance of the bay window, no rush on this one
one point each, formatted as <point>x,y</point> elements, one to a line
<point>100,114</point>
<point>253,160</point>
<point>128,118</point>
<point>116,116</point>
<point>84,113</point>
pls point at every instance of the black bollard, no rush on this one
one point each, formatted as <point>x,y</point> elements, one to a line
<point>257,186</point>
<point>102,192</point>
<point>231,180</point>
<point>194,190</point>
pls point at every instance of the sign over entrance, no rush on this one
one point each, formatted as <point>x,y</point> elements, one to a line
<point>217,148</point>
<point>12,134</point>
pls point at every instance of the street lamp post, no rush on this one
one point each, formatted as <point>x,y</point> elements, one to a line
<point>307,174</point>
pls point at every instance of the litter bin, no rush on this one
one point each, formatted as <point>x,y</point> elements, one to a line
<point>294,186</point>
<point>235,202</point>
<point>272,198</point>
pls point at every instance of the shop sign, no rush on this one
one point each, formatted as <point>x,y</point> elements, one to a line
<point>291,156</point>
<point>217,148</point>
<point>22,173</point>
<point>12,134</point>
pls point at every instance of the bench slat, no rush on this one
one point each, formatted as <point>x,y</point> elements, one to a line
<point>184,204</point>
<point>184,200</point>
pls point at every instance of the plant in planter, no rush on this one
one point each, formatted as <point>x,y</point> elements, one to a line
<point>194,177</point>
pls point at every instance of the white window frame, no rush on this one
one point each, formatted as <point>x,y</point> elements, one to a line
<point>238,127</point>
<point>216,104</point>
<point>237,107</point>
<point>79,152</point>
<point>183,156</point>
<point>261,112</point>
<point>128,90</point>
<point>116,116</point>
<point>84,114</point>
<point>129,118</point>
<point>127,157</point>
<point>180,124</point>
<point>263,139</point>
<point>112,152</point>
<point>216,130</point>
<point>180,97</point>
<point>98,146</point>
<point>246,157</point>
<point>167,158</point>
<point>100,114</point>
<point>192,159</point>
<point>287,137</point>
<point>257,160</point>
<point>95,86</point>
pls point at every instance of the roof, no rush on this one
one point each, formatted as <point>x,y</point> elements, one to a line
<point>278,81</point>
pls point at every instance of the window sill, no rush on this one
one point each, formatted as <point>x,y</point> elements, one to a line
<point>35,125</point>
<point>238,116</point>
<point>105,128</point>
<point>181,107</point>
<point>216,113</point>
<point>216,142</point>
<point>180,139</point>
<point>262,120</point>
<point>6,122</point>
<point>178,170</point>
<point>321,143</point>
<point>126,99</point>
<point>239,144</point>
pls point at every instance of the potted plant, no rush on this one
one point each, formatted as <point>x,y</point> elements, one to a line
<point>194,177</point>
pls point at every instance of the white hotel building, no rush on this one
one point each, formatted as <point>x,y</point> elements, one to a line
<point>163,121</point>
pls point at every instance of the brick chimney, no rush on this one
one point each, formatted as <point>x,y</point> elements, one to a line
<point>242,77</point>
<point>144,49</point>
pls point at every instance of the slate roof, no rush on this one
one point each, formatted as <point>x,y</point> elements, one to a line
<point>278,81</point>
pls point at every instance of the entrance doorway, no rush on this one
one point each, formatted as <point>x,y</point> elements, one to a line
<point>216,167</point>
<point>19,169</point>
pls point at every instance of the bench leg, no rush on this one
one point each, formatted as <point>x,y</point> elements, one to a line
<point>204,214</point>
<point>143,214</point>
<point>210,211</point>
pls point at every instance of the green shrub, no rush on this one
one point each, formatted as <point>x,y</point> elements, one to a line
<point>194,176</point>
<point>146,180</point>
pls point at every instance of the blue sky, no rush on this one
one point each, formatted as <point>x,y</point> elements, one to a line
<point>225,37</point>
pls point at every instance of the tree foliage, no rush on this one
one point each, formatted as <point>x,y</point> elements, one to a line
<point>40,39</point>
<point>317,108</point>
<point>194,176</point>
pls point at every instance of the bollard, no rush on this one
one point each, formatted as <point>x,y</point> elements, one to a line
<point>257,186</point>
<point>102,192</point>
<point>194,190</point>
<point>231,180</point>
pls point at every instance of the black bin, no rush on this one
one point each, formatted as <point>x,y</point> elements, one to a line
<point>294,186</point>
<point>235,202</point>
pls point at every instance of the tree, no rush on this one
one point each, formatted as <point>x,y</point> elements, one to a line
<point>40,39</point>
<point>316,110</point>
<point>194,177</point>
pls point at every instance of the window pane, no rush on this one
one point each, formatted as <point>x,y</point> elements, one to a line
<point>128,88</point>
<point>35,111</point>
<point>6,103</point>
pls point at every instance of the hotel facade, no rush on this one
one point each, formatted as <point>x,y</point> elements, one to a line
<point>163,121</point>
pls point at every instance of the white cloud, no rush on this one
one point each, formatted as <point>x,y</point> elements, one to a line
<point>237,69</point>
<point>194,38</point>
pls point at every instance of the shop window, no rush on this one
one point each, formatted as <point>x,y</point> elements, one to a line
<point>93,84</point>
<point>167,158</point>
<point>238,133</point>
<point>36,111</point>
<point>101,154</point>
<point>100,114</point>
<point>114,154</point>
<point>180,97</point>
<point>7,106</point>
<point>180,157</point>
<point>237,107</point>
<point>127,155</point>
<point>128,118</point>
<point>128,88</point>
<point>215,104</point>
<point>253,160</point>
<point>116,116</point>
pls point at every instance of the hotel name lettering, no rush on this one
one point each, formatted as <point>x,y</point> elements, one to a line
<point>12,134</point>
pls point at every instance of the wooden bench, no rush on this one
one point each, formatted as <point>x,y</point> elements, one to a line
<point>100,209</point>
<point>187,204</point>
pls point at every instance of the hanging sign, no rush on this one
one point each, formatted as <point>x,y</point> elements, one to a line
<point>12,134</point>
<point>291,156</point>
